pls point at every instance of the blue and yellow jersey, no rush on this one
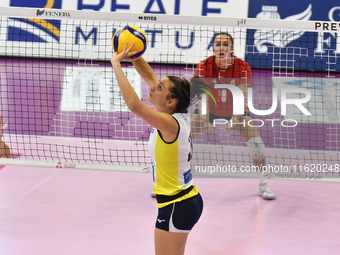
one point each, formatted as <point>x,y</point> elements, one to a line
<point>171,163</point>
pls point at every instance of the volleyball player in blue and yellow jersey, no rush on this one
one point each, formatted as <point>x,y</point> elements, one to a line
<point>179,202</point>
<point>172,159</point>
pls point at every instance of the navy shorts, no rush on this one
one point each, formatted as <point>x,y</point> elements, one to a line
<point>180,217</point>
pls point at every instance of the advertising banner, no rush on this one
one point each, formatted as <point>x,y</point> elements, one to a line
<point>291,49</point>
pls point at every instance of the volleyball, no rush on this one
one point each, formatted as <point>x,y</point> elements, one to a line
<point>130,34</point>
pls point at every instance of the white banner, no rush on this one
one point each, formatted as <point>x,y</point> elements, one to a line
<point>93,88</point>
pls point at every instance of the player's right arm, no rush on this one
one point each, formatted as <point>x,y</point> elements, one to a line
<point>145,70</point>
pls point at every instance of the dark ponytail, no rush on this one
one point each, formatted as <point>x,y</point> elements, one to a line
<point>186,92</point>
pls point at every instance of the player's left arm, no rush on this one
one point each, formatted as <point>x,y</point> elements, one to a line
<point>145,70</point>
<point>128,93</point>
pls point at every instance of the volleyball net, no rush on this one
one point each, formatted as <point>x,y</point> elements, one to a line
<point>60,97</point>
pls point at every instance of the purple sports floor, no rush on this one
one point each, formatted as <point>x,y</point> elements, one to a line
<point>62,211</point>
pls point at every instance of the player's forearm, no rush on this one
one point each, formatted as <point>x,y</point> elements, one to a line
<point>128,93</point>
<point>145,70</point>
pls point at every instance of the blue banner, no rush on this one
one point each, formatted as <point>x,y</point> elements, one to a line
<point>294,50</point>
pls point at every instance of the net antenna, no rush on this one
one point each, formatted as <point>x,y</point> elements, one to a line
<point>61,98</point>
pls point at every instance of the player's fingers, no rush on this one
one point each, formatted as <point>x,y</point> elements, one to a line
<point>133,53</point>
<point>229,127</point>
<point>130,48</point>
<point>125,47</point>
<point>125,50</point>
<point>211,131</point>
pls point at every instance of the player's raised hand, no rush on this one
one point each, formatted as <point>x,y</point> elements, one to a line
<point>125,54</point>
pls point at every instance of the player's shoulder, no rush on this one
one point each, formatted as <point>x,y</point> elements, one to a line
<point>182,118</point>
<point>205,66</point>
<point>208,60</point>
<point>241,63</point>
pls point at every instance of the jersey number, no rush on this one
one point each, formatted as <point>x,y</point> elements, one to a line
<point>223,95</point>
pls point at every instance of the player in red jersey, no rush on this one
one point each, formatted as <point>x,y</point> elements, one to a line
<point>4,149</point>
<point>225,68</point>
